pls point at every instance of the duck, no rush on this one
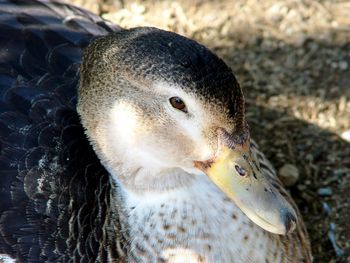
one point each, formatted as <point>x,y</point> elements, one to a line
<point>129,145</point>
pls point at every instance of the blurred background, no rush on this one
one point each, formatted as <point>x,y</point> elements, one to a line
<point>292,59</point>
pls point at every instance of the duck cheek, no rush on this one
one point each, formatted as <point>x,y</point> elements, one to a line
<point>178,147</point>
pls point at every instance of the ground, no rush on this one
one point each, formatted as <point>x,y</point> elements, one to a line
<point>292,59</point>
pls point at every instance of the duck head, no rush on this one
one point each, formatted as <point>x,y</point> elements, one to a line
<point>160,110</point>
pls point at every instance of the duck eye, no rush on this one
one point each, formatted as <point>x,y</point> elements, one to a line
<point>178,103</point>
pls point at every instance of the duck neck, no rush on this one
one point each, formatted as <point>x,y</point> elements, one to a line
<point>188,222</point>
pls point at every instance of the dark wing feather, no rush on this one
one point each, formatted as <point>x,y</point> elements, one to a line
<point>53,190</point>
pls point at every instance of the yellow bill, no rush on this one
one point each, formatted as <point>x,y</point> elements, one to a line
<point>237,174</point>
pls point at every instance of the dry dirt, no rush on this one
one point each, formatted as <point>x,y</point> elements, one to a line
<point>292,59</point>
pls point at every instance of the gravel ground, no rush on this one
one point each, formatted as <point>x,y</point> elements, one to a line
<point>292,59</point>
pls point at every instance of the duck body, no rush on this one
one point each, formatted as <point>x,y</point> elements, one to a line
<point>59,204</point>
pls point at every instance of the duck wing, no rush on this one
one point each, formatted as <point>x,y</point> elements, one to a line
<point>54,193</point>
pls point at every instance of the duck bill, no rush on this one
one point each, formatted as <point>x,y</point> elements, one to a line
<point>236,172</point>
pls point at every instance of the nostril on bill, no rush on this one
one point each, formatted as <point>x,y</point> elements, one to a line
<point>241,171</point>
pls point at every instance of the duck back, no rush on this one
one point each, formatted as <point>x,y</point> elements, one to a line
<point>54,193</point>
